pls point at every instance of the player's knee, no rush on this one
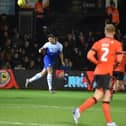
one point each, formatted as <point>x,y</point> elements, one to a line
<point>39,75</point>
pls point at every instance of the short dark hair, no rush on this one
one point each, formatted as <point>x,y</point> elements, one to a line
<point>51,35</point>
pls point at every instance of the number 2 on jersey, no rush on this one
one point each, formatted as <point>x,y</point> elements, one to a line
<point>105,53</point>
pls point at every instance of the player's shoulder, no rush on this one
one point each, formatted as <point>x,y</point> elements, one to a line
<point>99,41</point>
<point>59,43</point>
<point>109,40</point>
<point>117,43</point>
<point>47,43</point>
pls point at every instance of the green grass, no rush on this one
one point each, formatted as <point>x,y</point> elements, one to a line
<point>40,108</point>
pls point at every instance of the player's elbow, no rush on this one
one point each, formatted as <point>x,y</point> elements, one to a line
<point>89,55</point>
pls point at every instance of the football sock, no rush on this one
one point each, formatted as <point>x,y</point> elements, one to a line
<point>106,110</point>
<point>87,104</point>
<point>49,81</point>
<point>35,77</point>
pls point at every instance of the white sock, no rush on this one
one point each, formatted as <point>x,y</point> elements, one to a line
<point>35,77</point>
<point>49,81</point>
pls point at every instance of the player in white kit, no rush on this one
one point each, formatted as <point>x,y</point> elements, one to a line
<point>51,50</point>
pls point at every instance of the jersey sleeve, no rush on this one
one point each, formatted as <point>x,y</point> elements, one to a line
<point>60,47</point>
<point>45,45</point>
<point>95,46</point>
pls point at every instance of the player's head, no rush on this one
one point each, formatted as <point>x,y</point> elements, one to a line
<point>109,30</point>
<point>52,38</point>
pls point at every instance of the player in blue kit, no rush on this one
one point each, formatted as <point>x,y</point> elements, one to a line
<point>51,49</point>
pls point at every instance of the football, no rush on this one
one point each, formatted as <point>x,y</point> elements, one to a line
<point>21,3</point>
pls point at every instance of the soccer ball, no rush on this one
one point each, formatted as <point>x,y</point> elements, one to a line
<point>21,3</point>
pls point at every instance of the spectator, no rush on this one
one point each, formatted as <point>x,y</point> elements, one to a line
<point>39,12</point>
<point>67,49</point>
<point>68,65</point>
<point>16,61</point>
<point>2,60</point>
<point>113,13</point>
<point>77,59</point>
<point>31,64</point>
<point>26,62</point>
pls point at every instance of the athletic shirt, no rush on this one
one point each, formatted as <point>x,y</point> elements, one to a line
<point>53,50</point>
<point>106,50</point>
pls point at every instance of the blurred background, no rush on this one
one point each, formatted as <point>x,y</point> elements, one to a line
<point>25,24</point>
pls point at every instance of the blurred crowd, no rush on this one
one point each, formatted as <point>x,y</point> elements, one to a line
<point>16,51</point>
<point>21,52</point>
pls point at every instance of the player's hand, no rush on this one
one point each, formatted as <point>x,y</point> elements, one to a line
<point>40,50</point>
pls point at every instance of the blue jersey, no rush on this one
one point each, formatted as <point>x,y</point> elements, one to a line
<point>52,51</point>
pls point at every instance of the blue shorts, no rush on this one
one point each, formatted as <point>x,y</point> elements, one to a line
<point>49,61</point>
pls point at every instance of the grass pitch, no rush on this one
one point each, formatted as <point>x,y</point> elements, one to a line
<point>40,108</point>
